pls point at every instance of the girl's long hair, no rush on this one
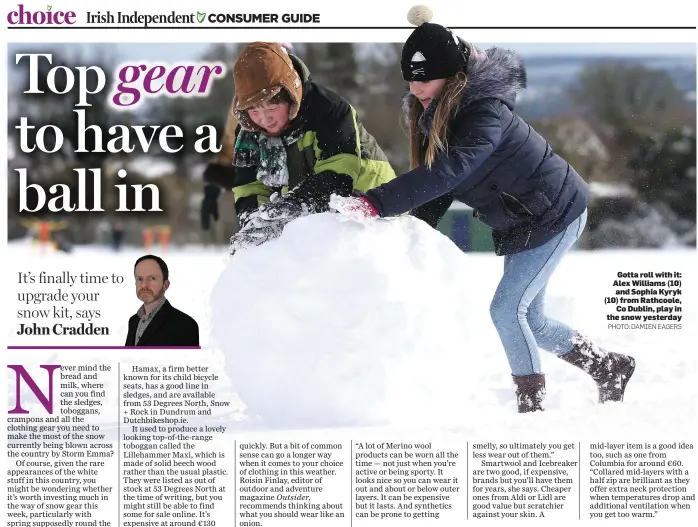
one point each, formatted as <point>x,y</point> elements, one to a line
<point>423,150</point>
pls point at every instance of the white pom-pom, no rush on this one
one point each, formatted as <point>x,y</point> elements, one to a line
<point>419,14</point>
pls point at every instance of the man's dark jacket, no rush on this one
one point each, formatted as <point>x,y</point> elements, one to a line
<point>496,163</point>
<point>169,327</point>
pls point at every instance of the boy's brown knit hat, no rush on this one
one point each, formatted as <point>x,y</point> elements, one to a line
<point>260,72</point>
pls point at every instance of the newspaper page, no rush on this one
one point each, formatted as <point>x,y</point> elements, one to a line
<point>337,264</point>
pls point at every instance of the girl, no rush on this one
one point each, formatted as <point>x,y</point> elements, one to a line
<point>466,143</point>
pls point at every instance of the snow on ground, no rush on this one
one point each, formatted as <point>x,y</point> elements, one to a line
<point>387,327</point>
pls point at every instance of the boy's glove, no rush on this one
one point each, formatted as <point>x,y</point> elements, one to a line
<point>311,196</point>
<point>255,233</point>
<point>283,208</point>
<point>209,205</point>
<point>267,222</point>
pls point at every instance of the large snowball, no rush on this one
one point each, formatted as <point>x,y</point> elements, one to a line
<point>314,324</point>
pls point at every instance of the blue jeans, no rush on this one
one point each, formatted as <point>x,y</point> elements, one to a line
<point>517,308</point>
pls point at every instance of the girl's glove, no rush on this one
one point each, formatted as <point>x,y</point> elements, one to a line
<point>353,207</point>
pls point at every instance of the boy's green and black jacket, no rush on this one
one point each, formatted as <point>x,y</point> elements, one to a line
<point>335,154</point>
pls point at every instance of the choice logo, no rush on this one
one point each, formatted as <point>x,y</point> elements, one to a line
<point>24,17</point>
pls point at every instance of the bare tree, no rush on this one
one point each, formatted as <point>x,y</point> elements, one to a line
<point>631,98</point>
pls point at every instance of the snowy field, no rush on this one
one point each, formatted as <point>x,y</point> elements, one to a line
<point>387,330</point>
<point>346,334</point>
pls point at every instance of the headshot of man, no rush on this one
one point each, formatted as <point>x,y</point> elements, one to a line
<point>157,322</point>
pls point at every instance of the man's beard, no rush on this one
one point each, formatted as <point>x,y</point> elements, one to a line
<point>148,296</point>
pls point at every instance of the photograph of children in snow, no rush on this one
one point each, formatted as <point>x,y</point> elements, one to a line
<point>429,196</point>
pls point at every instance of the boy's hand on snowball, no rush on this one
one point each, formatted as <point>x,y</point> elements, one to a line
<point>252,235</point>
<point>355,208</point>
<point>282,209</point>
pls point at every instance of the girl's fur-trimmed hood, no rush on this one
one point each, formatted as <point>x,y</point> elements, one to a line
<point>495,73</point>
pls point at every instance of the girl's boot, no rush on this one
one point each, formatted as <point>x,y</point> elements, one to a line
<point>530,392</point>
<point>611,371</point>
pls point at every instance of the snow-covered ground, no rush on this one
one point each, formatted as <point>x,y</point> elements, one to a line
<point>346,334</point>
<point>342,324</point>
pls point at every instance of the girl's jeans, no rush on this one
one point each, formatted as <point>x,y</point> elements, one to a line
<point>517,307</point>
